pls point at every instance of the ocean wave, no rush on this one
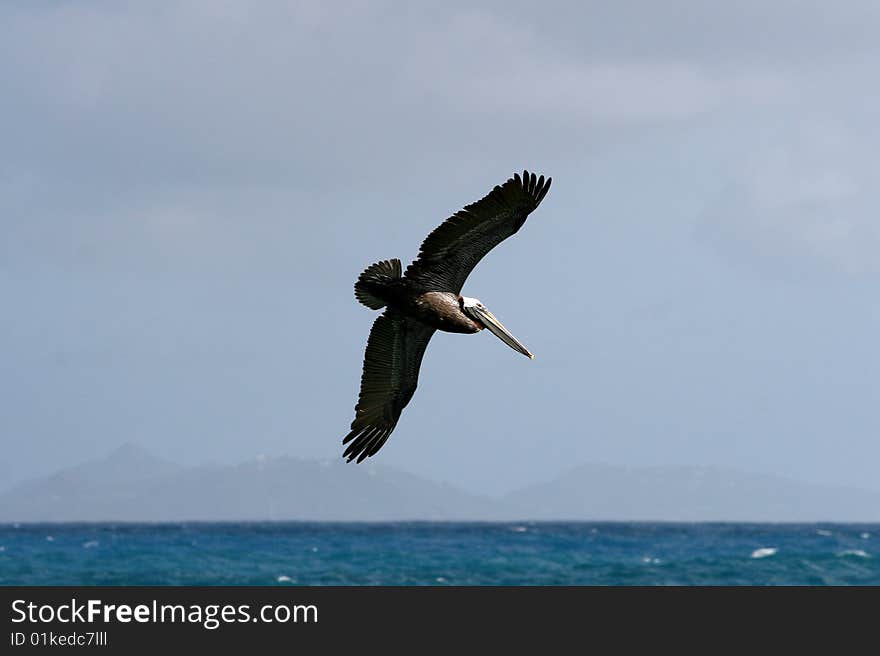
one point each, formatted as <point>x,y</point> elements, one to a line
<point>560,553</point>
<point>854,552</point>
<point>764,552</point>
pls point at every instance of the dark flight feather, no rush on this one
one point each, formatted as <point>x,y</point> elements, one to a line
<point>455,247</point>
<point>391,372</point>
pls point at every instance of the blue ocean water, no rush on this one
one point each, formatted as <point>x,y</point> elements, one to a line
<point>427,553</point>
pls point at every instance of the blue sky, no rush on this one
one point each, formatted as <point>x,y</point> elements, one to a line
<point>188,192</point>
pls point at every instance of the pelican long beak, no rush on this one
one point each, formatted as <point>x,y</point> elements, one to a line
<point>490,321</point>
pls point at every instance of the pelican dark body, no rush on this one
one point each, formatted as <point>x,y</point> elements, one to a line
<point>440,310</point>
<point>426,298</point>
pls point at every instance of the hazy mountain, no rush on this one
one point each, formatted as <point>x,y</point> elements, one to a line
<point>130,484</point>
<point>683,493</point>
<point>85,491</point>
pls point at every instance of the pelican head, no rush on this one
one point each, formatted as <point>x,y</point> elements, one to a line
<point>474,309</point>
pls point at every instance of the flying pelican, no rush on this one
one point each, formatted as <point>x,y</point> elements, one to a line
<point>427,297</point>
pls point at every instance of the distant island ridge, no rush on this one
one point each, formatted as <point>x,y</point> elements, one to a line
<point>131,484</point>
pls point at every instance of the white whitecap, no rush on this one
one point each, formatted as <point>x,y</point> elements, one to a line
<point>822,531</point>
<point>520,529</point>
<point>2,548</point>
<point>764,552</point>
<point>854,552</point>
<point>49,538</point>
<point>865,536</point>
<point>91,544</point>
<point>651,561</point>
<point>284,579</point>
<point>440,579</point>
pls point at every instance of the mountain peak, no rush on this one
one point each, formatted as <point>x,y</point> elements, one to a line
<point>127,462</point>
<point>130,452</point>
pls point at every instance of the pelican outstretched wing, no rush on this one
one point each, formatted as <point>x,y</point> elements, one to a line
<point>454,248</point>
<point>391,371</point>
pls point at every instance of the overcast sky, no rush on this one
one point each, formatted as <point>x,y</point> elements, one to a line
<point>189,190</point>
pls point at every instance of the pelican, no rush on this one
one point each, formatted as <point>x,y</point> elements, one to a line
<point>426,298</point>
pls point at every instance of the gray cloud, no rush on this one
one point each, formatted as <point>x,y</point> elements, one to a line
<point>288,92</point>
<point>809,190</point>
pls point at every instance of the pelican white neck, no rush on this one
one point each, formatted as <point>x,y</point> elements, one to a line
<point>468,302</point>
